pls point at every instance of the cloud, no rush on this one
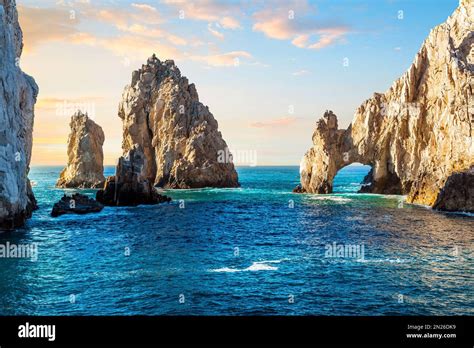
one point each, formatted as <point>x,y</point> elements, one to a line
<point>214,32</point>
<point>217,11</point>
<point>41,25</point>
<point>301,72</point>
<point>144,7</point>
<point>230,23</point>
<point>139,48</point>
<point>229,59</point>
<point>280,122</point>
<point>295,21</point>
<point>133,40</point>
<point>134,32</point>
<point>122,17</point>
<point>154,33</point>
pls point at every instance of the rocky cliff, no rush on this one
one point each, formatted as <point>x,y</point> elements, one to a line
<point>418,133</point>
<point>85,165</point>
<point>18,93</point>
<point>176,135</point>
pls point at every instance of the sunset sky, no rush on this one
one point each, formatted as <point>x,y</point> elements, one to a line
<point>266,69</point>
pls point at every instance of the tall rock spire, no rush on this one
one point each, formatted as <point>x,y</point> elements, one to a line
<point>174,137</point>
<point>85,167</point>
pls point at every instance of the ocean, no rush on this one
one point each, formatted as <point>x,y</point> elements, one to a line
<point>255,250</point>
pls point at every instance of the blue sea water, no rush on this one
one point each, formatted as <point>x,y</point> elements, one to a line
<point>255,250</point>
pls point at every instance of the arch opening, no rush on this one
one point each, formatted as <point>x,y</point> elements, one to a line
<point>351,178</point>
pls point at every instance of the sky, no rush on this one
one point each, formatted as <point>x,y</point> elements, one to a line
<point>267,69</point>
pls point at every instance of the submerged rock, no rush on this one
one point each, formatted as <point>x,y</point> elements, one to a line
<point>418,133</point>
<point>85,166</point>
<point>129,187</point>
<point>76,204</point>
<point>18,93</point>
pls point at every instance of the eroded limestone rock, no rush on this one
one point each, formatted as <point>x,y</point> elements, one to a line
<point>162,113</point>
<point>85,165</point>
<point>417,133</point>
<point>457,193</point>
<point>178,137</point>
<point>18,93</point>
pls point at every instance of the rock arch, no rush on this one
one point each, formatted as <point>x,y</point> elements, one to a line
<point>415,135</point>
<point>333,149</point>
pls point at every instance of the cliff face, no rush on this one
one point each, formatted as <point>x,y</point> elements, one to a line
<point>418,133</point>
<point>18,93</point>
<point>85,166</point>
<point>161,112</point>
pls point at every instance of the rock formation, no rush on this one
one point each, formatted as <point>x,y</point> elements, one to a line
<point>173,136</point>
<point>457,193</point>
<point>76,204</point>
<point>85,166</point>
<point>418,133</point>
<point>129,186</point>
<point>18,93</point>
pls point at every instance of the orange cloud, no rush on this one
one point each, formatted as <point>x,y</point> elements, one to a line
<point>296,21</point>
<point>138,32</point>
<point>221,12</point>
<point>41,25</point>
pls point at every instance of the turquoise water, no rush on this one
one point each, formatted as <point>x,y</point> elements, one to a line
<point>258,249</point>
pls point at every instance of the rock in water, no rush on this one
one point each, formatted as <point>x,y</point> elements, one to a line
<point>173,137</point>
<point>18,93</point>
<point>417,134</point>
<point>129,187</point>
<point>458,193</point>
<point>161,112</point>
<point>76,204</point>
<point>85,166</point>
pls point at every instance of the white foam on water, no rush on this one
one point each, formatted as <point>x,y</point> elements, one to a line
<point>255,266</point>
<point>225,270</point>
<point>331,198</point>
<point>261,266</point>
<point>397,260</point>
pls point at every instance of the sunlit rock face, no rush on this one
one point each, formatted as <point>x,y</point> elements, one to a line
<point>417,133</point>
<point>170,139</point>
<point>85,167</point>
<point>161,112</point>
<point>18,93</point>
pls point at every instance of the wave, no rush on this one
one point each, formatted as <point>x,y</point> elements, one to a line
<point>331,198</point>
<point>255,266</point>
<point>397,260</point>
